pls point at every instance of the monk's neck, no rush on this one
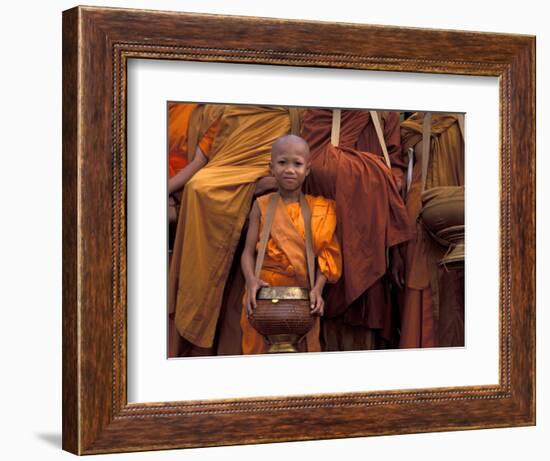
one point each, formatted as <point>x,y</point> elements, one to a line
<point>290,196</point>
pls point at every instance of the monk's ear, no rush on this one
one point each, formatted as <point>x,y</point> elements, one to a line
<point>308,167</point>
<point>271,168</point>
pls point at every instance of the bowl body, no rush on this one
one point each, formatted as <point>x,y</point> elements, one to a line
<point>282,312</point>
<point>443,208</point>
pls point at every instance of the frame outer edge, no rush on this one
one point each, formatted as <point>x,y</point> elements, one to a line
<point>70,173</point>
<point>95,157</point>
<point>529,58</point>
<point>524,209</point>
<point>533,363</point>
<point>85,428</point>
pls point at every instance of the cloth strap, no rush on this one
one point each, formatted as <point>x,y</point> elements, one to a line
<point>270,214</point>
<point>426,141</point>
<point>380,135</point>
<point>294,115</point>
<point>460,119</point>
<point>335,131</point>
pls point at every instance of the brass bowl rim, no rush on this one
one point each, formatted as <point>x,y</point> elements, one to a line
<point>283,293</point>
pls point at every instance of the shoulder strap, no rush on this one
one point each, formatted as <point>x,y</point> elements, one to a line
<point>270,213</point>
<point>294,116</point>
<point>336,122</point>
<point>426,141</point>
<point>380,135</point>
<point>306,214</point>
<point>460,119</point>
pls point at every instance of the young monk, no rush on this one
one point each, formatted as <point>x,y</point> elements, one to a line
<point>285,257</point>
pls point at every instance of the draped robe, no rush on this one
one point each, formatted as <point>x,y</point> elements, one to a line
<point>285,260</point>
<point>214,205</point>
<point>433,302</point>
<point>189,126</point>
<point>371,217</point>
<point>178,124</point>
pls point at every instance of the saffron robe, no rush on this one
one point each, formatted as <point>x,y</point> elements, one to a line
<point>285,258</point>
<point>214,206</point>
<point>432,312</point>
<point>371,218</point>
<point>184,133</point>
<point>189,126</point>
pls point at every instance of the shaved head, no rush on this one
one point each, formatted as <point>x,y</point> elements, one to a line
<point>290,142</point>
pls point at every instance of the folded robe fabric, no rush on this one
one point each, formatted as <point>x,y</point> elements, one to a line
<point>184,133</point>
<point>214,206</point>
<point>178,124</point>
<point>370,213</point>
<point>425,320</point>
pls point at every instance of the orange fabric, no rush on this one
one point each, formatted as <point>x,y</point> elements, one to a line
<point>208,139</point>
<point>285,262</point>
<point>356,132</point>
<point>371,214</point>
<point>214,206</point>
<point>418,319</point>
<point>178,124</point>
<point>446,168</point>
<point>421,307</point>
<point>371,217</point>
<point>179,119</point>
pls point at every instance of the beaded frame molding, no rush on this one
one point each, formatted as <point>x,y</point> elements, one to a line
<point>97,43</point>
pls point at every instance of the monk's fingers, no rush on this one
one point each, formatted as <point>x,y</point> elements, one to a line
<point>317,311</point>
<point>250,303</point>
<point>317,307</point>
<point>322,309</point>
<point>251,308</point>
<point>263,284</point>
<point>396,277</point>
<point>321,306</point>
<point>312,301</point>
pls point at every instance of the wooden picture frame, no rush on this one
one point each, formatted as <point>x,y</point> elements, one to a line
<point>97,43</point>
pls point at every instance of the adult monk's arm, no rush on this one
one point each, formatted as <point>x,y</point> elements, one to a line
<point>397,267</point>
<point>248,257</point>
<point>264,185</point>
<point>177,182</point>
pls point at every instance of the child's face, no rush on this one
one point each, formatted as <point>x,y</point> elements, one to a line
<point>290,166</point>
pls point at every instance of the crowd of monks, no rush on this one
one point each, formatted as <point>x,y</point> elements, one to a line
<point>392,293</point>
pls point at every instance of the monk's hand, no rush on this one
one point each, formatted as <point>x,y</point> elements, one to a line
<point>172,215</point>
<point>252,287</point>
<point>265,185</point>
<point>397,268</point>
<point>317,304</point>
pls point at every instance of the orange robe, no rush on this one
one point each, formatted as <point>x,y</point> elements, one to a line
<point>184,134</point>
<point>189,126</point>
<point>432,312</point>
<point>215,204</point>
<point>371,218</point>
<point>285,260</point>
